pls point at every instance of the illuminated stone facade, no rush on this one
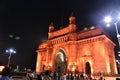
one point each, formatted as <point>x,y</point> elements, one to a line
<point>68,49</point>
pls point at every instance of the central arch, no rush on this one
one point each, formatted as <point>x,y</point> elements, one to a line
<point>87,68</point>
<point>60,61</point>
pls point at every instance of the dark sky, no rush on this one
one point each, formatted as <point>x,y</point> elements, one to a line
<point>29,20</point>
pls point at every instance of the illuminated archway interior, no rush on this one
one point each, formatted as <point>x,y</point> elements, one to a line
<point>60,61</point>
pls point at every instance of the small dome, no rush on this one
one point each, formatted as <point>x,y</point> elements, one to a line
<point>51,27</point>
<point>72,19</point>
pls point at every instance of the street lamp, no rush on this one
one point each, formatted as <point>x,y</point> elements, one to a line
<point>10,51</point>
<point>119,53</point>
<point>108,19</point>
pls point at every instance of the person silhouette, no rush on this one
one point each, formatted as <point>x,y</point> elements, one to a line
<point>5,74</point>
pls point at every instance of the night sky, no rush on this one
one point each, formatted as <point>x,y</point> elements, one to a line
<point>24,23</point>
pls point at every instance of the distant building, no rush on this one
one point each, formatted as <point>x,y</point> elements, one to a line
<point>69,50</point>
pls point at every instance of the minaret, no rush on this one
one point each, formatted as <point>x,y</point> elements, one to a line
<point>51,27</point>
<point>72,23</point>
<point>72,19</point>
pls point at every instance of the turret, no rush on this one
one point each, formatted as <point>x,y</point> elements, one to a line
<point>51,27</point>
<point>72,19</point>
<point>72,23</point>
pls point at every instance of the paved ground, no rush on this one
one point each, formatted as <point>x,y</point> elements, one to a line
<point>109,78</point>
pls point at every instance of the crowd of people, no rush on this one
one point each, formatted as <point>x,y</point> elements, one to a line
<point>47,75</point>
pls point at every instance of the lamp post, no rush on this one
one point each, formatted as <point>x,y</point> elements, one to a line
<point>108,20</point>
<point>10,51</point>
<point>118,35</point>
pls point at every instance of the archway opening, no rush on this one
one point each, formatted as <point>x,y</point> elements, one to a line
<point>87,68</point>
<point>60,62</point>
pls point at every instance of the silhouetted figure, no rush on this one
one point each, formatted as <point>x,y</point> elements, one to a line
<point>40,76</point>
<point>30,75</point>
<point>46,76</point>
<point>5,74</point>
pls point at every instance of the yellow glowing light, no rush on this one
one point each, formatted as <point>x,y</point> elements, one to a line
<point>116,70</point>
<point>69,64</point>
<point>108,67</point>
<point>37,64</point>
<point>1,68</point>
<point>73,68</point>
<point>50,64</point>
<point>119,54</point>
